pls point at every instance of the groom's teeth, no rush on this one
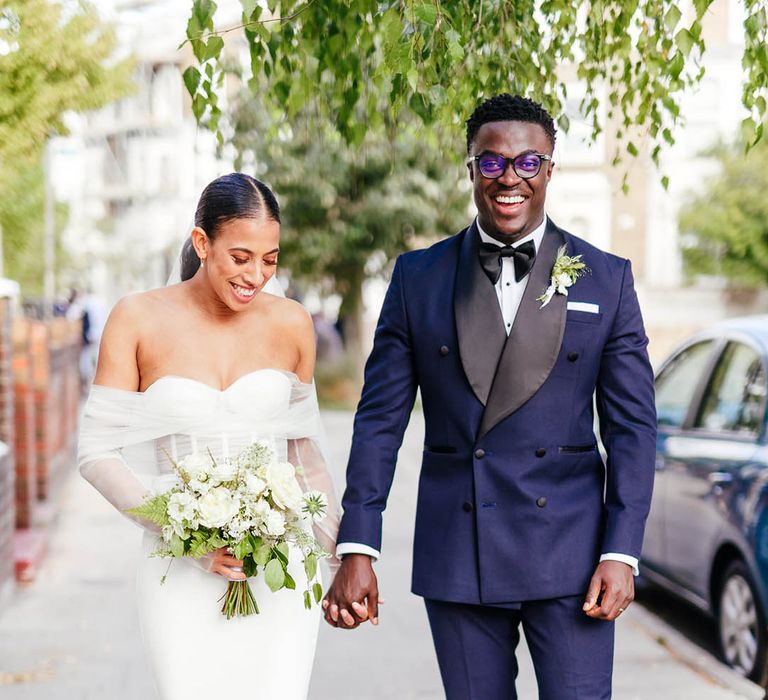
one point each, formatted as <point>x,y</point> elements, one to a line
<point>501,199</point>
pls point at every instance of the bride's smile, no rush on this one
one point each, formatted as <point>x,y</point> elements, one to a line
<point>243,292</point>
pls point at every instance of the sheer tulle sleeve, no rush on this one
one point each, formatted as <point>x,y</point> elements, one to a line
<point>305,451</point>
<point>306,455</point>
<point>112,421</point>
<point>103,432</point>
<point>114,479</point>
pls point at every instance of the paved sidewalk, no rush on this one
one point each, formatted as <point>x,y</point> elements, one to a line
<point>72,635</point>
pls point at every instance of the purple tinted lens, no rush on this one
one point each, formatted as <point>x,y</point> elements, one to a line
<point>527,164</point>
<point>491,166</point>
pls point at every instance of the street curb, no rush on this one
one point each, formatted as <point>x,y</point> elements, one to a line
<point>693,656</point>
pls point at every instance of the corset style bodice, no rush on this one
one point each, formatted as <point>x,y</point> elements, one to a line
<point>224,422</point>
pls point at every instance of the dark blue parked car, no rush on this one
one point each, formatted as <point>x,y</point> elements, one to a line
<point>707,533</point>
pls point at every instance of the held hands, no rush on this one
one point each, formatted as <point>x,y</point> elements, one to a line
<point>615,580</point>
<point>355,583</point>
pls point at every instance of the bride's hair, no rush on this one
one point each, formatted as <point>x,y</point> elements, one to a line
<point>233,196</point>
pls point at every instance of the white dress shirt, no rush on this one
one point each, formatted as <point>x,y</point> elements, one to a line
<point>508,290</point>
<point>509,293</point>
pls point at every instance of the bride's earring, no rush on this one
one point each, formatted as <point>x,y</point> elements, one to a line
<point>202,261</point>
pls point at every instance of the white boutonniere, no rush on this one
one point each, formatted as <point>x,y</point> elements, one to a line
<point>566,270</point>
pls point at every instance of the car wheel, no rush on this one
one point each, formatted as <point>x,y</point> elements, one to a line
<point>741,623</point>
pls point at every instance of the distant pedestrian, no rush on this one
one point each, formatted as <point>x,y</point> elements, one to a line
<point>92,312</point>
<point>329,345</point>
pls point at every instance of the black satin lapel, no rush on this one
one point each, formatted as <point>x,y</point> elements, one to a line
<point>534,342</point>
<point>479,324</point>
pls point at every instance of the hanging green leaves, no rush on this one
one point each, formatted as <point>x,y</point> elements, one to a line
<point>360,64</point>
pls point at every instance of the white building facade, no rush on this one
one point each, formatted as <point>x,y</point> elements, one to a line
<point>132,172</point>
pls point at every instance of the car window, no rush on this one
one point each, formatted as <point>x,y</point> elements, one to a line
<point>677,383</point>
<point>735,398</point>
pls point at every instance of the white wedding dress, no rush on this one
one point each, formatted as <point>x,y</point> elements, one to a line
<point>126,442</point>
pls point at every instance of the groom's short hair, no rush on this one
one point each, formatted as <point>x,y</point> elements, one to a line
<point>509,108</point>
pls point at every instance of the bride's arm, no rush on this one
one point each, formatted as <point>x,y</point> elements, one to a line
<point>117,369</point>
<point>111,476</point>
<point>304,334</point>
<point>118,352</point>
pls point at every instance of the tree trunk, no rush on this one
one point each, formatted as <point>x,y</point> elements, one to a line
<point>351,314</point>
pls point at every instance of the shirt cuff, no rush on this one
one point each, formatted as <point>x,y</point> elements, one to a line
<point>624,558</point>
<point>343,548</point>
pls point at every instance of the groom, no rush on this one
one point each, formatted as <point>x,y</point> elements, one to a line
<point>519,520</point>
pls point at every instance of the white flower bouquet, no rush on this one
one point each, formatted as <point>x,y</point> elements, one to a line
<point>254,506</point>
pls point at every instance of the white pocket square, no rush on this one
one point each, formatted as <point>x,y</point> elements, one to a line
<point>584,306</point>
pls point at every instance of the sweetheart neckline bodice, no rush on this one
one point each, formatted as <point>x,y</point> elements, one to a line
<point>174,377</point>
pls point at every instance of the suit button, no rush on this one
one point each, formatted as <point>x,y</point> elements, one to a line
<point>573,356</point>
<point>467,507</point>
<point>479,453</point>
<point>540,452</point>
<point>444,350</point>
<point>541,502</point>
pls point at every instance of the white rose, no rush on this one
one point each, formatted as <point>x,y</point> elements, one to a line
<point>275,523</point>
<point>223,471</point>
<point>253,484</point>
<point>181,506</point>
<point>261,510</point>
<point>564,280</point>
<point>217,507</point>
<point>286,492</point>
<point>196,466</point>
<point>201,487</point>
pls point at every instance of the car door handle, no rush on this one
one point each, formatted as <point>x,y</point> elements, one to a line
<point>721,478</point>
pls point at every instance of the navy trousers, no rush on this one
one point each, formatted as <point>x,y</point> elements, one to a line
<point>475,644</point>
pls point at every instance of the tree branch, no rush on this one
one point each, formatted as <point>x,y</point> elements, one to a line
<point>281,20</point>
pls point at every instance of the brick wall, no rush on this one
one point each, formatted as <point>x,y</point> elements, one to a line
<point>25,441</point>
<point>7,509</point>
<point>55,352</point>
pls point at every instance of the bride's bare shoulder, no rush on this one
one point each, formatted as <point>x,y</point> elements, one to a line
<point>290,314</point>
<point>296,333</point>
<point>138,310</point>
<point>126,310</point>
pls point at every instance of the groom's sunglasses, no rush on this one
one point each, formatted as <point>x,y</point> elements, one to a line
<point>493,165</point>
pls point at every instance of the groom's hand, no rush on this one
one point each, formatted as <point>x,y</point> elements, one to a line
<point>355,583</point>
<point>615,580</point>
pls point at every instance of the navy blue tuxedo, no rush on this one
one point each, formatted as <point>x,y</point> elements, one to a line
<point>515,503</point>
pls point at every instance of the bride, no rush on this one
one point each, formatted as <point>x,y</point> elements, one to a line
<point>212,363</point>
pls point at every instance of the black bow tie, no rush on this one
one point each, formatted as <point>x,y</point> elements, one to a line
<point>491,255</point>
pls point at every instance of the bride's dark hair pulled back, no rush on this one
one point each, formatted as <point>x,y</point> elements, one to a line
<point>233,196</point>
